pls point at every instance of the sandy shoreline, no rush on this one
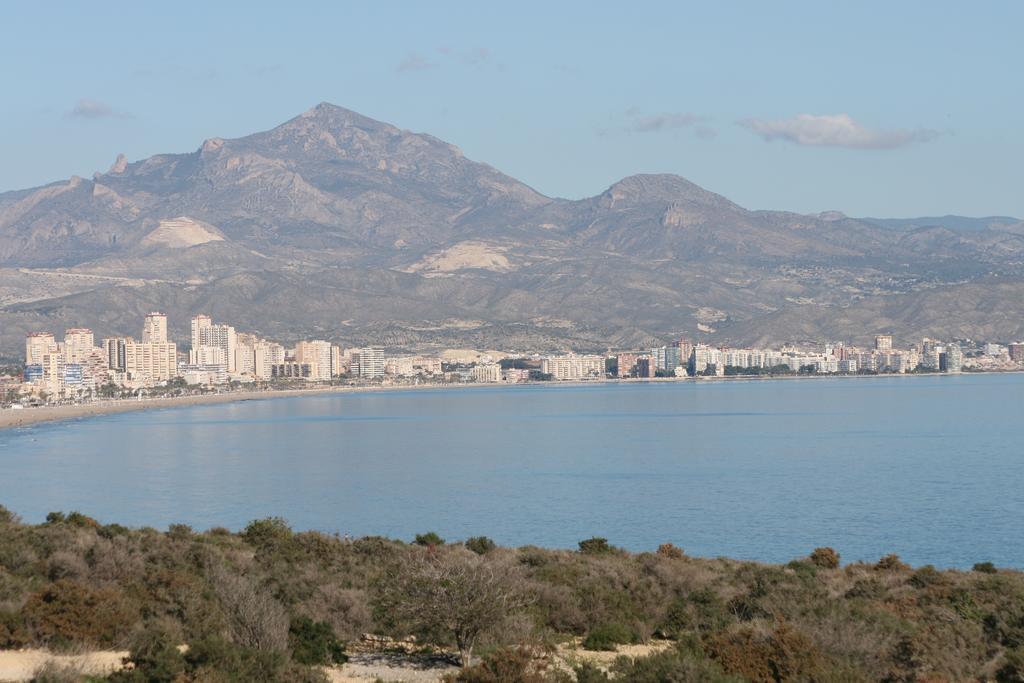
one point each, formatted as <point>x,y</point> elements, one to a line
<point>30,416</point>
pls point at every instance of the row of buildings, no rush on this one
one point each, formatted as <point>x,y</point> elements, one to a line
<point>217,354</point>
<point>685,359</point>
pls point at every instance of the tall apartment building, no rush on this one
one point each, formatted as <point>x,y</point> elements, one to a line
<point>573,367</point>
<point>368,363</point>
<point>206,333</point>
<point>266,356</point>
<point>317,354</point>
<point>1016,351</point>
<point>883,342</point>
<point>952,360</point>
<point>245,356</point>
<point>666,358</point>
<point>626,364</point>
<point>114,350</point>
<point>154,328</point>
<point>37,345</point>
<point>199,323</point>
<point>78,344</point>
<point>150,362</point>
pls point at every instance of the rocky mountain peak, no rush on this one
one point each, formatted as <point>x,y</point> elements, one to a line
<point>120,164</point>
<point>661,187</point>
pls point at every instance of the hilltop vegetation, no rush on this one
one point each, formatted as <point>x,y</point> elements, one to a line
<point>272,604</point>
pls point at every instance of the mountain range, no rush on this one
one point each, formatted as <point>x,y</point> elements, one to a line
<point>334,225</point>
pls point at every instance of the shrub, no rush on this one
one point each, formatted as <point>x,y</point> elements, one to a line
<point>68,612</point>
<point>595,546</point>
<point>109,531</point>
<point>607,636</point>
<point>179,531</point>
<point>926,576</point>
<point>783,655</point>
<point>52,671</point>
<point>590,673</point>
<point>314,643</point>
<point>82,521</point>
<point>824,558</point>
<point>679,664</point>
<point>154,657</point>
<point>985,568</point>
<point>12,631</point>
<point>481,545</point>
<point>670,551</point>
<point>891,563</point>
<point>1012,668</point>
<point>8,517</point>
<point>506,665</point>
<point>54,517</point>
<point>428,539</point>
<point>267,532</point>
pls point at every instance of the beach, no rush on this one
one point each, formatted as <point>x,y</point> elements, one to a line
<point>10,418</point>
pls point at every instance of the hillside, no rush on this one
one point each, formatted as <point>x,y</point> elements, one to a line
<point>270,604</point>
<point>336,225</point>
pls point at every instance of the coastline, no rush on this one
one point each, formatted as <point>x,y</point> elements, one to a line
<point>27,417</point>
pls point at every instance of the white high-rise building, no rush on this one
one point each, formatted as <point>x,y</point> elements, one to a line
<point>266,355</point>
<point>368,363</point>
<point>199,323</point>
<point>78,344</point>
<point>37,345</point>
<point>150,362</point>
<point>207,334</point>
<point>154,328</point>
<point>317,354</point>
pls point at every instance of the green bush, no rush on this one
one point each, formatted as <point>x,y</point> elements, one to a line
<point>1011,669</point>
<point>505,665</point>
<point>985,568</point>
<point>267,532</point>
<point>154,658</point>
<point>7,517</point>
<point>314,643</point>
<point>13,634</point>
<point>481,545</point>
<point>926,576</point>
<point>607,636</point>
<point>678,664</point>
<point>428,539</point>
<point>595,546</point>
<point>590,673</point>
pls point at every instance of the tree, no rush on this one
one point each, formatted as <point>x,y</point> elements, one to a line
<point>453,592</point>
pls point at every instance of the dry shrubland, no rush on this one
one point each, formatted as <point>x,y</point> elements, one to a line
<point>270,604</point>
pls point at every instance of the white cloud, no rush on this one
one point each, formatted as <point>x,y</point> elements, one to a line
<point>835,130</point>
<point>93,109</point>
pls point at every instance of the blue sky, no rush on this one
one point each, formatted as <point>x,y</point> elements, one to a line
<point>884,109</point>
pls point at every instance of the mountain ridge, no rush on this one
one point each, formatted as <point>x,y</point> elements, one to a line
<point>399,230</point>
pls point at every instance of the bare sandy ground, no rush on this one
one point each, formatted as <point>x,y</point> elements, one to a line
<point>363,667</point>
<point>19,665</point>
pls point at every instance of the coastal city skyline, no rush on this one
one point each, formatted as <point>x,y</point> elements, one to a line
<point>78,367</point>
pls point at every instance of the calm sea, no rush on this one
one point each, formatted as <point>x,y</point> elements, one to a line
<point>931,468</point>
